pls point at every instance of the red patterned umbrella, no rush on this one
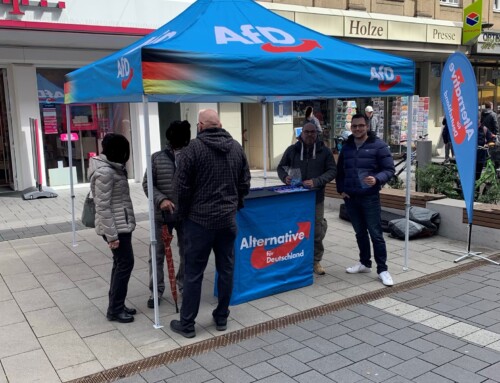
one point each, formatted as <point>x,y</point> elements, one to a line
<point>167,237</point>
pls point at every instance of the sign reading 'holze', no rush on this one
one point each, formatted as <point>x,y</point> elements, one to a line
<point>365,28</point>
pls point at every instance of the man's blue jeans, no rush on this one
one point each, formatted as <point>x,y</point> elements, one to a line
<point>199,242</point>
<point>365,215</point>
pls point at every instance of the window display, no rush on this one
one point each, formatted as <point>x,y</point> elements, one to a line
<point>88,122</point>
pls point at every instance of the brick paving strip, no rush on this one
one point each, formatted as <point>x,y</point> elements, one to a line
<point>347,323</point>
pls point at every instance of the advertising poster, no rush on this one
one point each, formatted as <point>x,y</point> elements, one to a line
<point>274,247</point>
<point>49,115</point>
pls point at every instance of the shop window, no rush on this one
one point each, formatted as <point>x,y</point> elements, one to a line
<point>496,5</point>
<point>454,3</point>
<point>89,123</point>
<point>320,111</point>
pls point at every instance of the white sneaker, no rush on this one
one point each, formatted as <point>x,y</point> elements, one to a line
<point>386,278</point>
<point>358,268</point>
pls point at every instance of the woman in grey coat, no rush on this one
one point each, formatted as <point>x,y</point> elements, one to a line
<point>115,219</point>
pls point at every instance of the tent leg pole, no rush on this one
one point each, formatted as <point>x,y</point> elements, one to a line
<point>264,140</point>
<point>408,181</point>
<point>71,181</point>
<point>152,234</point>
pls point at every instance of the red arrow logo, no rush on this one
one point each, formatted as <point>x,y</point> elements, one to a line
<point>305,46</point>
<point>385,86</point>
<point>127,80</point>
<point>260,255</point>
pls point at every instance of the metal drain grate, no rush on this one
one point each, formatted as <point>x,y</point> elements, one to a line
<point>201,347</point>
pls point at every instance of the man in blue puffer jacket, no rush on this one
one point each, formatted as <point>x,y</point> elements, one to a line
<point>365,164</point>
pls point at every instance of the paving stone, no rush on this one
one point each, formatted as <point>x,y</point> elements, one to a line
<point>312,376</point>
<point>231,351</point>
<point>367,311</point>
<point>157,374</point>
<point>444,340</point>
<point>321,345</point>
<point>132,379</point>
<point>423,329</point>
<point>430,377</point>
<point>329,363</point>
<point>250,358</point>
<point>199,375</point>
<point>359,352</point>
<point>399,350</point>
<point>381,328</point>
<point>332,331</point>
<point>440,356</point>
<point>412,368</point>
<point>422,345</point>
<point>278,378</point>
<point>481,353</point>
<point>311,325</point>
<point>297,333</point>
<point>458,374</point>
<point>261,370</point>
<point>253,344</point>
<point>211,361</point>
<point>184,365</point>
<point>492,372</point>
<point>305,354</point>
<point>358,323</point>
<point>283,347</point>
<point>470,364</point>
<point>32,366</point>
<point>371,371</point>
<point>289,365</point>
<point>394,321</point>
<point>344,375</point>
<point>273,337</point>
<point>232,374</point>
<point>346,314</point>
<point>385,360</point>
<point>368,337</point>
<point>404,335</point>
<point>345,341</point>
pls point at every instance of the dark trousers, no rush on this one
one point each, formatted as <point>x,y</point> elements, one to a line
<point>320,227</point>
<point>365,215</point>
<point>160,258</point>
<point>123,263</point>
<point>199,242</point>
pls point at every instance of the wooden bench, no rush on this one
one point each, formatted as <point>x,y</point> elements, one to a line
<point>486,215</point>
<point>392,198</point>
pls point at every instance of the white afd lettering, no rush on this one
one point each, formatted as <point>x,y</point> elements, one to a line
<point>123,67</point>
<point>384,73</point>
<point>252,35</point>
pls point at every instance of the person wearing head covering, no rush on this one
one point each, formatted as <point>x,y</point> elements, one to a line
<point>310,117</point>
<point>372,119</point>
<point>114,218</point>
<point>317,168</point>
<point>164,164</point>
<point>212,180</point>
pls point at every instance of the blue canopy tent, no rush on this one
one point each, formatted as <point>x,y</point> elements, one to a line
<point>236,51</point>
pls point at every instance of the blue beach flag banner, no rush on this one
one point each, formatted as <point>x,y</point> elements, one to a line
<point>274,246</point>
<point>460,103</point>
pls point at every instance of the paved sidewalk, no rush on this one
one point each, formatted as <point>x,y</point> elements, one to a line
<point>53,296</point>
<point>447,331</point>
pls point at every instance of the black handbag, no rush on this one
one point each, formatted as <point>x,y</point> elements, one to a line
<point>88,213</point>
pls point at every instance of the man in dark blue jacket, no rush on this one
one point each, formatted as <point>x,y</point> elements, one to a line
<point>317,168</point>
<point>365,164</point>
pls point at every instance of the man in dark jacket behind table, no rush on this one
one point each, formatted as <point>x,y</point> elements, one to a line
<point>489,117</point>
<point>365,164</point>
<point>212,179</point>
<point>317,168</point>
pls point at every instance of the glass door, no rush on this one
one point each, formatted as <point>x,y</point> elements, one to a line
<point>5,145</point>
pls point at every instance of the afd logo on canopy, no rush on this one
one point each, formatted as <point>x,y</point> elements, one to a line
<point>271,250</point>
<point>273,40</point>
<point>460,121</point>
<point>125,72</point>
<point>472,19</point>
<point>385,77</point>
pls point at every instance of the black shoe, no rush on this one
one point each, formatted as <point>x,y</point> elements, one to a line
<point>122,317</point>
<point>151,302</point>
<point>129,311</point>
<point>220,324</point>
<point>176,326</point>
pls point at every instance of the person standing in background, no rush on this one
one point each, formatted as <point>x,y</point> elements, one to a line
<point>365,165</point>
<point>448,146</point>
<point>310,118</point>
<point>164,164</point>
<point>114,218</point>
<point>372,119</point>
<point>489,117</point>
<point>317,168</point>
